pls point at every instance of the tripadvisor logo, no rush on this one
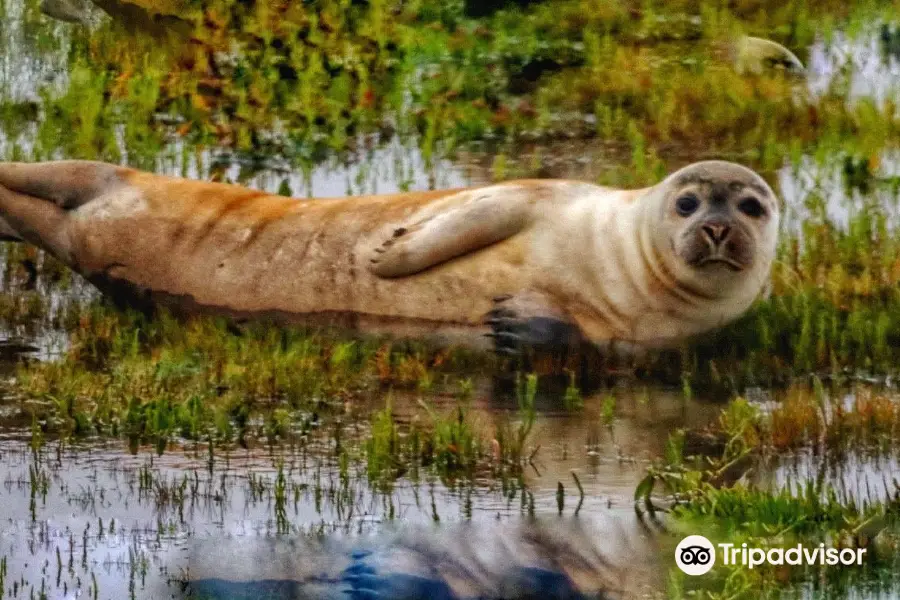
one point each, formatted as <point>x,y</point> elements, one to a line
<point>696,555</point>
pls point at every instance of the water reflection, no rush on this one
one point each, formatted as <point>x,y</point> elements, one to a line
<point>851,450</point>
<point>34,53</point>
<point>374,166</point>
<point>859,476</point>
<point>543,558</point>
<point>80,517</point>
<point>608,454</point>
<point>858,62</point>
<point>830,179</point>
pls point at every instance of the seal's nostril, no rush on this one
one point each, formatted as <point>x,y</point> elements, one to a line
<point>716,232</point>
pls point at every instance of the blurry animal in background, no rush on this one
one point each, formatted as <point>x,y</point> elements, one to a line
<point>890,40</point>
<point>156,18</point>
<point>533,264</point>
<point>753,55</point>
<point>69,11</point>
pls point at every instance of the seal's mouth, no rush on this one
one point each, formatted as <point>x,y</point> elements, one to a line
<point>719,259</point>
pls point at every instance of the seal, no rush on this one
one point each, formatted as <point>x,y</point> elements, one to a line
<point>528,263</point>
<point>68,11</point>
<point>158,18</point>
<point>753,55</point>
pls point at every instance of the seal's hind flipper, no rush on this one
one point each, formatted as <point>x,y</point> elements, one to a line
<point>36,221</point>
<point>454,226</point>
<point>66,183</point>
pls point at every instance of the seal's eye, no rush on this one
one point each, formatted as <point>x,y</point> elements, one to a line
<point>686,205</point>
<point>751,207</point>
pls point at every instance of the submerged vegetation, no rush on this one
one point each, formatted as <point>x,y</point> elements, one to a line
<point>616,92</point>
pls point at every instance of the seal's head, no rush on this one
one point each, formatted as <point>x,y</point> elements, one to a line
<point>720,220</point>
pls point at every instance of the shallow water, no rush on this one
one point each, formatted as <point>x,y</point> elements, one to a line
<point>863,469</point>
<point>86,516</point>
<point>871,71</point>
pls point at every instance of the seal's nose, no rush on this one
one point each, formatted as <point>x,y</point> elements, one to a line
<point>716,232</point>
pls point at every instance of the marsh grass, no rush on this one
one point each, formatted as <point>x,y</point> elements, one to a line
<point>711,488</point>
<point>163,382</point>
<point>868,418</point>
<point>305,81</point>
<point>384,446</point>
<point>166,377</point>
<point>452,441</point>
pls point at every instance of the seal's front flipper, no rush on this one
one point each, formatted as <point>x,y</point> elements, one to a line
<point>459,224</point>
<point>66,183</point>
<point>529,324</point>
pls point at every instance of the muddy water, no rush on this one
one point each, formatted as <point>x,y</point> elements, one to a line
<point>95,520</point>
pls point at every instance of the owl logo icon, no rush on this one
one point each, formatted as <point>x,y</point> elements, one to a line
<point>695,555</point>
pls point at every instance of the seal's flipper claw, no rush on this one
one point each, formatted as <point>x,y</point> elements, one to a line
<point>508,352</point>
<point>530,322</point>
<point>499,314</point>
<point>507,337</point>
